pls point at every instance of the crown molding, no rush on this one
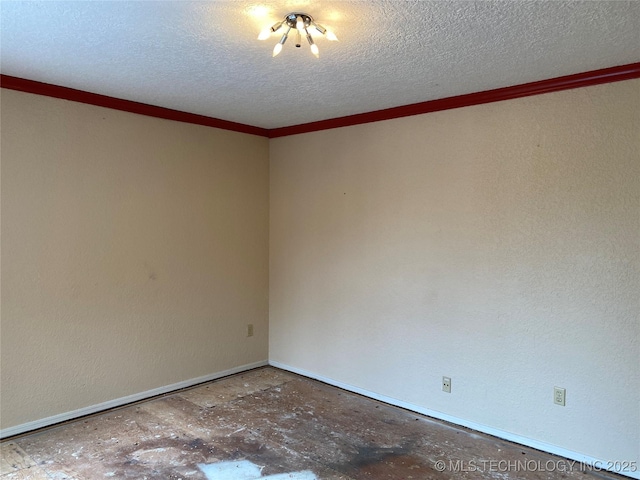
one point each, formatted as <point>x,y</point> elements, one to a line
<point>56,91</point>
<point>578,80</point>
<point>586,79</point>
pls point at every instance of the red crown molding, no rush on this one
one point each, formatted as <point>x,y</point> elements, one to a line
<point>39,88</point>
<point>586,79</point>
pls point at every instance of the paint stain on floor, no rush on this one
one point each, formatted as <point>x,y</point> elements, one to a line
<point>269,424</point>
<point>246,470</point>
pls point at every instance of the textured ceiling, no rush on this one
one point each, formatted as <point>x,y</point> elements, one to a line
<point>204,57</point>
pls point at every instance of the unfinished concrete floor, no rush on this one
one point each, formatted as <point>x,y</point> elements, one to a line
<point>273,425</point>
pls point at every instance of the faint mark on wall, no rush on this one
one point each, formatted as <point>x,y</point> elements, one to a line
<point>151,272</point>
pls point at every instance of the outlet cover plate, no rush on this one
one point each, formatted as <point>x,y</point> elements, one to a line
<point>446,384</point>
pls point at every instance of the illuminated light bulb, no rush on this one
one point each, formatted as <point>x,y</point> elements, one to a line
<point>331,36</point>
<point>302,24</point>
<point>314,47</point>
<point>278,48</point>
<point>264,34</point>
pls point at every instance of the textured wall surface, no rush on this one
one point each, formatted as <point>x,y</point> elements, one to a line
<point>134,253</point>
<point>498,245</point>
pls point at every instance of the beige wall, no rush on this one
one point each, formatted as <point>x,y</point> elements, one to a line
<point>498,245</point>
<point>134,254</point>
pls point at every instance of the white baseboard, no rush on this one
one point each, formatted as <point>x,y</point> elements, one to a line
<point>512,437</point>
<point>118,402</point>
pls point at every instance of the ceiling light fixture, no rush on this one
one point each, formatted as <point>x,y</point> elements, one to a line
<point>301,23</point>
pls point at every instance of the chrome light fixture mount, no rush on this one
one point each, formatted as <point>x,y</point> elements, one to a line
<point>300,23</point>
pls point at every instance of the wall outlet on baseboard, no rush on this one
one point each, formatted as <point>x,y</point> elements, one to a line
<point>446,384</point>
<point>559,396</point>
<point>250,330</point>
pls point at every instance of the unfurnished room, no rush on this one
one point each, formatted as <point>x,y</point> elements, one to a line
<point>319,240</point>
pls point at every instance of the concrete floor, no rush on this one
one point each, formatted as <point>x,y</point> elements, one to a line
<point>273,425</point>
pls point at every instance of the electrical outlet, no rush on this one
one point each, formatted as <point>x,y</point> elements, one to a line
<point>446,384</point>
<point>559,395</point>
<point>250,330</point>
